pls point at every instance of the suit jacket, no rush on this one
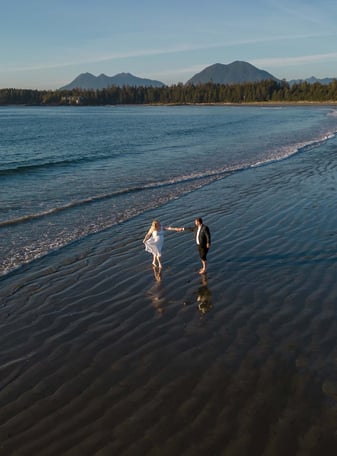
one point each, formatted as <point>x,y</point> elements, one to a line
<point>204,236</point>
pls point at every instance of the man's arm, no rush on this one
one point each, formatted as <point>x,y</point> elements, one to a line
<point>189,228</point>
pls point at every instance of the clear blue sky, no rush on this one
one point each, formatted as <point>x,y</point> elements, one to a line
<point>45,44</point>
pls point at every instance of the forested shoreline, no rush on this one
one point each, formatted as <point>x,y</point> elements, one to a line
<point>210,93</point>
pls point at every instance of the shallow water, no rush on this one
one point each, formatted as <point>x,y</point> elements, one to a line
<point>102,356</point>
<point>68,172</point>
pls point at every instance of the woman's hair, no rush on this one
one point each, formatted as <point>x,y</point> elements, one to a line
<point>155,224</point>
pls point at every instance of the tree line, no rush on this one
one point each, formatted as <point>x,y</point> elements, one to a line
<point>250,92</point>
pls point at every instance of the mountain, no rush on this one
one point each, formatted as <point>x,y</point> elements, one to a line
<point>89,81</point>
<point>235,73</point>
<point>312,80</point>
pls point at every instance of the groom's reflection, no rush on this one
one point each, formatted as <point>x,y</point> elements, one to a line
<point>204,296</point>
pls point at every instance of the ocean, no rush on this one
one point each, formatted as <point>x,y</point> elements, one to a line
<point>68,172</point>
<point>103,354</point>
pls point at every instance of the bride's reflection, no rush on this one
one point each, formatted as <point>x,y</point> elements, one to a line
<point>157,272</point>
<point>155,291</point>
<point>204,296</point>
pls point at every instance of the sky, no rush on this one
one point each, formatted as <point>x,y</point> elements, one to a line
<point>46,44</point>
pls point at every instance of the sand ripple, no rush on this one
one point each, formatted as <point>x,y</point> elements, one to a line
<point>101,356</point>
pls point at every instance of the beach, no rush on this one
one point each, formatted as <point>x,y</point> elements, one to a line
<point>102,355</point>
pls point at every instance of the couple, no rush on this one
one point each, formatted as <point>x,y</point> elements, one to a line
<point>154,240</point>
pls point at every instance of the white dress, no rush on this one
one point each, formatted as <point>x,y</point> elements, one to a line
<point>155,243</point>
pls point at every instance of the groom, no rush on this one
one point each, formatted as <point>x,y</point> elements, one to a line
<point>203,241</point>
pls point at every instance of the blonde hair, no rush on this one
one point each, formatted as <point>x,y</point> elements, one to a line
<point>155,225</point>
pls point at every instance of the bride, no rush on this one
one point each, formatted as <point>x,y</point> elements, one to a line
<point>154,240</point>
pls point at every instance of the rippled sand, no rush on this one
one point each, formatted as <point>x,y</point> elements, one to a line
<point>102,356</point>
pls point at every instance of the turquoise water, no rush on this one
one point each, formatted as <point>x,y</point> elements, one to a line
<point>67,172</point>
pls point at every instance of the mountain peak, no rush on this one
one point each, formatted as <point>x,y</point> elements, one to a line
<point>233,73</point>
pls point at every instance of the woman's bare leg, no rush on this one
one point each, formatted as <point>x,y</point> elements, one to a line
<point>204,267</point>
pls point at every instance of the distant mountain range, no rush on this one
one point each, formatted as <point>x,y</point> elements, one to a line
<point>312,80</point>
<point>89,81</point>
<point>234,73</point>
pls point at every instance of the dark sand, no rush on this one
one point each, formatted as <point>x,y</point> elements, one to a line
<point>101,357</point>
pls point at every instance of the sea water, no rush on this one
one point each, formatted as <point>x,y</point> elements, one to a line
<point>68,172</point>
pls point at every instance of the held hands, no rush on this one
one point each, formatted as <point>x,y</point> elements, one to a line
<point>175,229</point>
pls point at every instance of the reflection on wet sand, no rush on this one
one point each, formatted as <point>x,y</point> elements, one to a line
<point>157,272</point>
<point>156,290</point>
<point>204,296</point>
<point>158,294</point>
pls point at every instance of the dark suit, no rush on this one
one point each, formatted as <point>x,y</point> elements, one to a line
<point>204,236</point>
<point>204,240</point>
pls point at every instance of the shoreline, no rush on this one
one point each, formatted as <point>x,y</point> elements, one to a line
<point>253,103</point>
<point>101,355</point>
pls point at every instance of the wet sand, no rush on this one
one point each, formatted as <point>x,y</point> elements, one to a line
<point>102,355</point>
